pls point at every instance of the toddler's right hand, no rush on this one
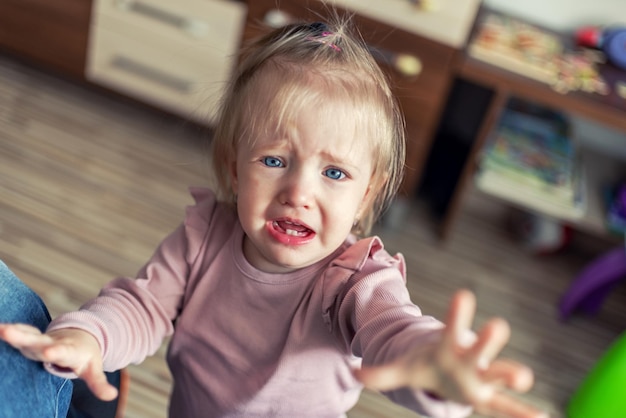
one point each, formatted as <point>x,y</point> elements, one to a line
<point>72,349</point>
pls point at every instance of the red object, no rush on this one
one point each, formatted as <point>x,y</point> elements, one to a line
<point>611,41</point>
<point>589,36</point>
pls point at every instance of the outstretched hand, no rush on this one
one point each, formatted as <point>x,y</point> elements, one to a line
<point>469,374</point>
<point>71,349</point>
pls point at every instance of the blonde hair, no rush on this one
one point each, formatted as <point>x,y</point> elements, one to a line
<point>300,63</point>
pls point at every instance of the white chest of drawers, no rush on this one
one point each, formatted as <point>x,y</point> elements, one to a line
<point>174,55</point>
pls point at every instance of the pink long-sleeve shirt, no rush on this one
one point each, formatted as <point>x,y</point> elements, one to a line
<point>246,343</point>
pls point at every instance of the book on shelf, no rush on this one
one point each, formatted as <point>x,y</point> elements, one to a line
<point>531,160</point>
<point>538,199</point>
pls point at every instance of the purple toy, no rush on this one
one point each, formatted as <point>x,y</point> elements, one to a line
<point>593,284</point>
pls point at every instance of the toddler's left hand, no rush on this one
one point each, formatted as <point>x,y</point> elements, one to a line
<point>469,374</point>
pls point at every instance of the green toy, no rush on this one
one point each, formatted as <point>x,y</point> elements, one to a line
<point>603,392</point>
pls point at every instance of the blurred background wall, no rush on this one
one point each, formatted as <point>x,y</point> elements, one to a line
<point>565,15</point>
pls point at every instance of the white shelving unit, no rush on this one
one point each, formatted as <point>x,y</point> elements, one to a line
<point>600,171</point>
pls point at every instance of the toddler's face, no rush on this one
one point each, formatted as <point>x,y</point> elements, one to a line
<point>299,192</point>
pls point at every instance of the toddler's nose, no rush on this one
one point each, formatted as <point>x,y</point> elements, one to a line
<point>298,192</point>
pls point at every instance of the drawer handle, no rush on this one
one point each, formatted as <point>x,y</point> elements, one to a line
<point>276,18</point>
<point>406,65</point>
<point>133,67</point>
<point>194,27</point>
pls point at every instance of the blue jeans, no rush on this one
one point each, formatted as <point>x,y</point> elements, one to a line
<point>26,388</point>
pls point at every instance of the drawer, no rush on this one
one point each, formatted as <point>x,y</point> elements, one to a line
<point>185,81</point>
<point>392,44</point>
<point>449,23</point>
<point>162,64</point>
<point>207,22</point>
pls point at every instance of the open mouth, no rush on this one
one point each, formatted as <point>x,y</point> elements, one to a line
<point>291,228</point>
<point>289,232</point>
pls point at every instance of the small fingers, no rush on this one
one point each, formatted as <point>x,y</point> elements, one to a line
<point>21,334</point>
<point>460,317</point>
<point>96,380</point>
<point>510,374</point>
<point>84,364</point>
<point>42,347</point>
<point>491,340</point>
<point>27,339</point>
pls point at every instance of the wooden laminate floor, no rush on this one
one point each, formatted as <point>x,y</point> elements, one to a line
<point>90,184</point>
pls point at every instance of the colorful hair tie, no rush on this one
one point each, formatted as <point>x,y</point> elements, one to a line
<point>321,31</point>
<point>324,41</point>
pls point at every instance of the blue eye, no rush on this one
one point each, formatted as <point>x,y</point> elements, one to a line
<point>272,162</point>
<point>334,174</point>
